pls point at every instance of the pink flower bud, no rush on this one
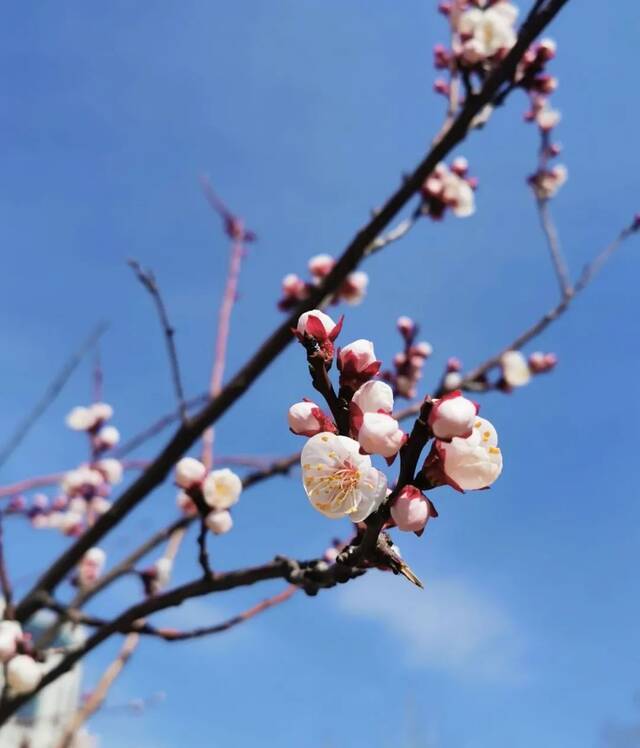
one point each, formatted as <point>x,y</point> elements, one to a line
<point>321,328</point>
<point>547,49</point>
<point>354,288</point>
<point>542,362</point>
<point>454,364</point>
<point>107,437</point>
<point>321,265</point>
<point>10,635</point>
<point>441,86</point>
<point>357,363</point>
<point>411,510</point>
<point>186,504</point>
<point>453,415</point>
<point>307,419</point>
<point>460,166</point>
<point>189,472</point>
<point>380,434</point>
<point>372,397</point>
<point>406,326</point>
<point>219,522</point>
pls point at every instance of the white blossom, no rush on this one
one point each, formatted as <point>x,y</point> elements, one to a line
<point>474,462</point>
<point>23,674</point>
<point>305,418</point>
<point>189,472</point>
<point>80,419</point>
<point>10,635</point>
<point>515,369</point>
<point>485,32</point>
<point>108,437</point>
<point>219,522</point>
<point>338,480</point>
<point>221,488</point>
<point>111,469</point>
<point>101,411</point>
<point>411,510</point>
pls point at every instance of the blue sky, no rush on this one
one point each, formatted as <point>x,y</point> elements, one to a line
<point>305,114</point>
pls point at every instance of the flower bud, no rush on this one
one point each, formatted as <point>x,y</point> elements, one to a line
<point>380,434</point>
<point>515,369</point>
<point>452,415</point>
<point>221,488</point>
<point>357,363</point>
<point>108,437</point>
<point>111,469</point>
<point>374,397</point>
<point>101,411</point>
<point>163,568</point>
<point>91,566</point>
<point>321,265</point>
<point>406,327</point>
<point>316,324</point>
<point>354,288</point>
<point>411,510</point>
<point>10,635</point>
<point>219,522</point>
<point>186,504</point>
<point>189,472</point>
<point>423,349</point>
<point>307,419</point>
<point>80,419</point>
<point>23,674</point>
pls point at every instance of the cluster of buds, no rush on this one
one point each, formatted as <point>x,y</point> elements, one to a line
<point>408,364</point>
<point>84,497</point>
<point>533,77</point>
<point>449,187</point>
<point>215,491</point>
<point>22,671</point>
<point>295,289</point>
<point>338,474</point>
<point>92,419</point>
<point>482,33</point>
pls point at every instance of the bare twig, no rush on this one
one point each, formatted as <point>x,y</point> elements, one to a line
<point>235,229</point>
<point>553,242</point>
<point>147,278</point>
<point>588,274</point>
<point>52,391</point>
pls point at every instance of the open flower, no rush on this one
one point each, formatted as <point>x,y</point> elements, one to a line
<point>466,464</point>
<point>23,674</point>
<point>452,415</point>
<point>411,510</point>
<point>486,32</point>
<point>189,472</point>
<point>221,488</point>
<point>339,481</point>
<point>380,434</point>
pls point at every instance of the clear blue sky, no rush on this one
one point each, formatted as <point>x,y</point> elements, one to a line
<point>305,114</point>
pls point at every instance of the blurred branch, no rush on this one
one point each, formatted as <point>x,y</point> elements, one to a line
<point>52,391</point>
<point>147,278</point>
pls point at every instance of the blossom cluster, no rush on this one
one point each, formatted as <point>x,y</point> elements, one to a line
<point>449,188</point>
<point>218,489</point>
<point>295,289</point>
<point>22,671</point>
<point>338,474</point>
<point>408,364</point>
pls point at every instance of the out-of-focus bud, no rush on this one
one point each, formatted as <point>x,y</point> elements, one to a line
<point>221,488</point>
<point>10,635</point>
<point>23,674</point>
<point>107,437</point>
<point>189,472</point>
<point>321,265</point>
<point>539,362</point>
<point>219,522</point>
<point>354,288</point>
<point>515,369</point>
<point>111,469</point>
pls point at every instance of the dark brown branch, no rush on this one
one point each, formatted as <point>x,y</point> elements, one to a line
<point>5,584</point>
<point>52,391</point>
<point>147,278</point>
<point>278,341</point>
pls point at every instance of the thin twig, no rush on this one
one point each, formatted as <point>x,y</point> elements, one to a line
<point>553,242</point>
<point>588,274</point>
<point>147,278</point>
<point>52,391</point>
